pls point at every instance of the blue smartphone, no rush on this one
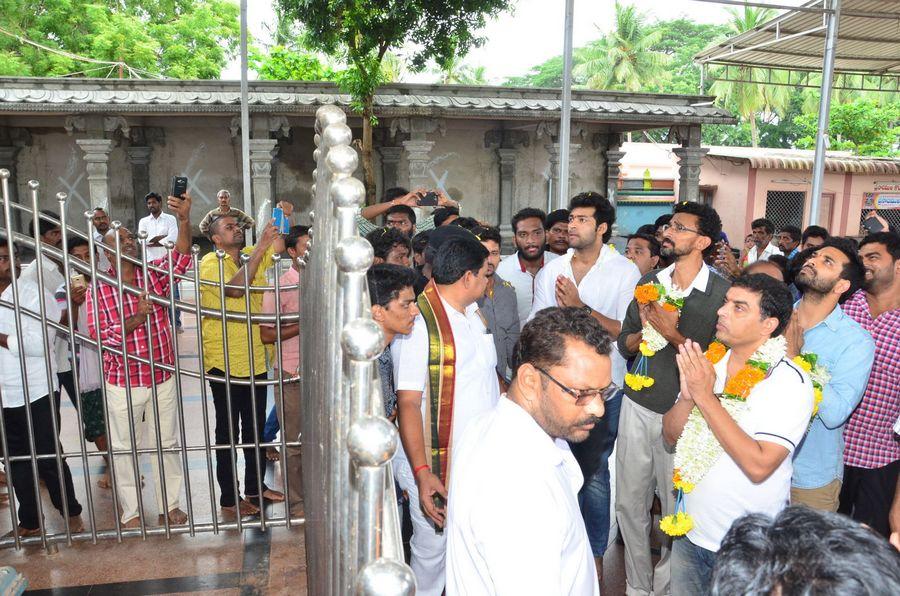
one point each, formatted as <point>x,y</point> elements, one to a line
<point>281,222</point>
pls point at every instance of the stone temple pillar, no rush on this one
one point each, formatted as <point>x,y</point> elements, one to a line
<point>417,155</point>
<point>96,157</point>
<point>262,151</point>
<point>8,162</point>
<point>139,158</point>
<point>689,161</point>
<point>553,150</point>
<point>613,165</point>
<point>390,166</point>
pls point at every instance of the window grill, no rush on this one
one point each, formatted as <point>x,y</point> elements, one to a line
<point>785,207</point>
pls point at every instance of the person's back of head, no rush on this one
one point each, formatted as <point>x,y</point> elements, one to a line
<point>804,551</point>
<point>443,215</point>
<point>393,193</point>
<point>468,223</point>
<point>457,257</point>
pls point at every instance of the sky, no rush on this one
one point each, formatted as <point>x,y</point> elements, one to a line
<point>531,33</point>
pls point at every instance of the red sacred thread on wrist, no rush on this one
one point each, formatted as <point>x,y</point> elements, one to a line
<point>419,469</point>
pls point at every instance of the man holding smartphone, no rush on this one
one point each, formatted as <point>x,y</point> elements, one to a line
<point>396,197</point>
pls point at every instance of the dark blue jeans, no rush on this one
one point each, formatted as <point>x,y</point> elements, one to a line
<point>593,498</point>
<point>271,429</point>
<point>692,568</point>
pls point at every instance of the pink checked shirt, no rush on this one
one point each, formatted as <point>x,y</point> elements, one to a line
<point>109,326</point>
<point>290,304</point>
<point>869,438</point>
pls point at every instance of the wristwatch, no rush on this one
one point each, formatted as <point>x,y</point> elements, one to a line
<point>587,309</point>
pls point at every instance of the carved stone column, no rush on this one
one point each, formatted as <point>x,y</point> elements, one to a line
<point>390,166</point>
<point>553,150</point>
<point>417,157</point>
<point>96,158</point>
<point>613,165</point>
<point>507,143</point>
<point>689,161</point>
<point>8,162</point>
<point>139,158</point>
<point>262,151</point>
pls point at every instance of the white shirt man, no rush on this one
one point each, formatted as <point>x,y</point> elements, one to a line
<point>164,225</point>
<point>483,532</point>
<point>607,288</point>
<point>476,390</point>
<point>513,270</point>
<point>754,253</point>
<point>779,409</point>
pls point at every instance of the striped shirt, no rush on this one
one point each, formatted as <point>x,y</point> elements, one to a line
<point>869,437</point>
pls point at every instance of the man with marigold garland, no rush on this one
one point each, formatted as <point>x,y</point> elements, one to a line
<point>739,416</point>
<point>844,351</point>
<point>643,461</point>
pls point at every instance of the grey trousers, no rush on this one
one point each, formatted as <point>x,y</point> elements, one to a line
<point>290,421</point>
<point>643,466</point>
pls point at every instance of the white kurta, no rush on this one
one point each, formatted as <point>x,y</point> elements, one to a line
<point>514,525</point>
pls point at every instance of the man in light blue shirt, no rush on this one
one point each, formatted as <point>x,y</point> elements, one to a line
<point>846,350</point>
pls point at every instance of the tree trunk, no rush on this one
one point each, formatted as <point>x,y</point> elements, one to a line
<point>754,132</point>
<point>368,165</point>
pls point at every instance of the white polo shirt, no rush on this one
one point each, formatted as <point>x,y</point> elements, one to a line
<point>608,288</point>
<point>476,387</point>
<point>511,270</point>
<point>780,407</point>
<point>154,226</point>
<point>754,255</point>
<point>514,526</point>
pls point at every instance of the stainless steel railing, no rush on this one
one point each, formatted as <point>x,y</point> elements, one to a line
<point>351,523</point>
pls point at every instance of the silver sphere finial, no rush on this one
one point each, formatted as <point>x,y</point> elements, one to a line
<point>362,339</point>
<point>348,192</point>
<point>354,255</point>
<point>385,577</point>
<point>342,160</point>
<point>372,441</point>
<point>336,135</point>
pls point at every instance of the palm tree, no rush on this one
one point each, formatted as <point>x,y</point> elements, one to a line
<point>623,58</point>
<point>751,98</point>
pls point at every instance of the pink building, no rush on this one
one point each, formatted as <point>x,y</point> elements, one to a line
<point>745,183</point>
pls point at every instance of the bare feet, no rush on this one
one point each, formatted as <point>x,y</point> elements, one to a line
<point>273,496</point>
<point>104,482</point>
<point>76,524</point>
<point>177,517</point>
<point>23,532</point>
<point>272,454</point>
<point>133,523</point>
<point>245,507</point>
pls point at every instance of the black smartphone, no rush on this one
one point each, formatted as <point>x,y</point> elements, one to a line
<point>429,199</point>
<point>441,503</point>
<point>179,186</point>
<point>872,225</point>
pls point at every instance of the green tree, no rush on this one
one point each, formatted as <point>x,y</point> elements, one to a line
<point>457,73</point>
<point>750,98</point>
<point>623,59</point>
<point>864,127</point>
<point>682,39</point>
<point>361,32</point>
<point>175,38</point>
<point>279,63</point>
<point>547,74</point>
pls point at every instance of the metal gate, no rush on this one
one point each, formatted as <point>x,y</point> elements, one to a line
<point>351,523</point>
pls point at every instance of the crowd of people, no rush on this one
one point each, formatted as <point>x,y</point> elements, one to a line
<point>751,395</point>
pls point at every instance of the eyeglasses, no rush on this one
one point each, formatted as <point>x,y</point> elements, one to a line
<point>583,396</point>
<point>678,228</point>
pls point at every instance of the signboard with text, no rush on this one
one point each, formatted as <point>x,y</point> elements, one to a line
<point>881,200</point>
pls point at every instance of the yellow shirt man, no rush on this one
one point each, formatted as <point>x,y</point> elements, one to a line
<point>213,343</point>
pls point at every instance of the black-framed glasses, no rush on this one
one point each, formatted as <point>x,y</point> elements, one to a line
<point>678,228</point>
<point>583,396</point>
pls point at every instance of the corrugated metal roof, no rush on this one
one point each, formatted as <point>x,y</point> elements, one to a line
<point>798,159</point>
<point>20,95</point>
<point>868,41</point>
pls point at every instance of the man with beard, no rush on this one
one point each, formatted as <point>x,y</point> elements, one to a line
<point>557,226</point>
<point>643,251</point>
<point>643,460</point>
<point>846,350</point>
<point>514,525</point>
<point>521,268</point>
<point>144,332</point>
<point>789,241</point>
<point>762,230</point>
<point>595,278</point>
<point>872,450</point>
<point>498,305</point>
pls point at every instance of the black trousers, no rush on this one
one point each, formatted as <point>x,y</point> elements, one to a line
<point>866,495</point>
<point>21,471</point>
<point>242,416</point>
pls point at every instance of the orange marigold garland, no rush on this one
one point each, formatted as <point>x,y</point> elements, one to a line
<point>651,340</point>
